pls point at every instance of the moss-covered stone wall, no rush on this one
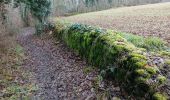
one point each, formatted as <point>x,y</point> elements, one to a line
<point>115,57</point>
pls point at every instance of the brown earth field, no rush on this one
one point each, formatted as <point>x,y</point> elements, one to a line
<point>145,20</point>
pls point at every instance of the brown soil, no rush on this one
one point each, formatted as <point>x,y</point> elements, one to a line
<point>146,20</point>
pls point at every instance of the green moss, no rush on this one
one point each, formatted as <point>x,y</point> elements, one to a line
<point>87,70</point>
<point>138,56</point>
<point>113,54</point>
<point>167,62</point>
<point>140,64</point>
<point>139,80</point>
<point>161,79</point>
<point>140,71</point>
<point>135,59</point>
<point>143,73</point>
<point>151,70</point>
<point>105,50</point>
<point>165,53</point>
<point>159,96</point>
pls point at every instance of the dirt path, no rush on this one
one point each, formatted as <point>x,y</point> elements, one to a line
<point>59,73</point>
<point>56,70</point>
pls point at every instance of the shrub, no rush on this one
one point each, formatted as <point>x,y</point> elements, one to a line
<point>114,55</point>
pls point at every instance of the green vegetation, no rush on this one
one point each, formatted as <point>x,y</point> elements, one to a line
<point>39,9</point>
<point>145,20</point>
<point>88,69</point>
<point>158,96</point>
<point>150,43</point>
<point>118,57</point>
<point>12,85</point>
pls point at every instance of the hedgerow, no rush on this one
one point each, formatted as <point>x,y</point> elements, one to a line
<point>115,57</point>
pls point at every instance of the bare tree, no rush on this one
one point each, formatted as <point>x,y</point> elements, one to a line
<point>77,6</point>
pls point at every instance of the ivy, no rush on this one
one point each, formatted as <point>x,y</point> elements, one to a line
<point>40,9</point>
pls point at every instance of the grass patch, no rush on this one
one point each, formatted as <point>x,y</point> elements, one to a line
<point>149,43</point>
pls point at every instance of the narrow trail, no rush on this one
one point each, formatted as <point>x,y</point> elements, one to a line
<point>59,73</point>
<point>56,70</point>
